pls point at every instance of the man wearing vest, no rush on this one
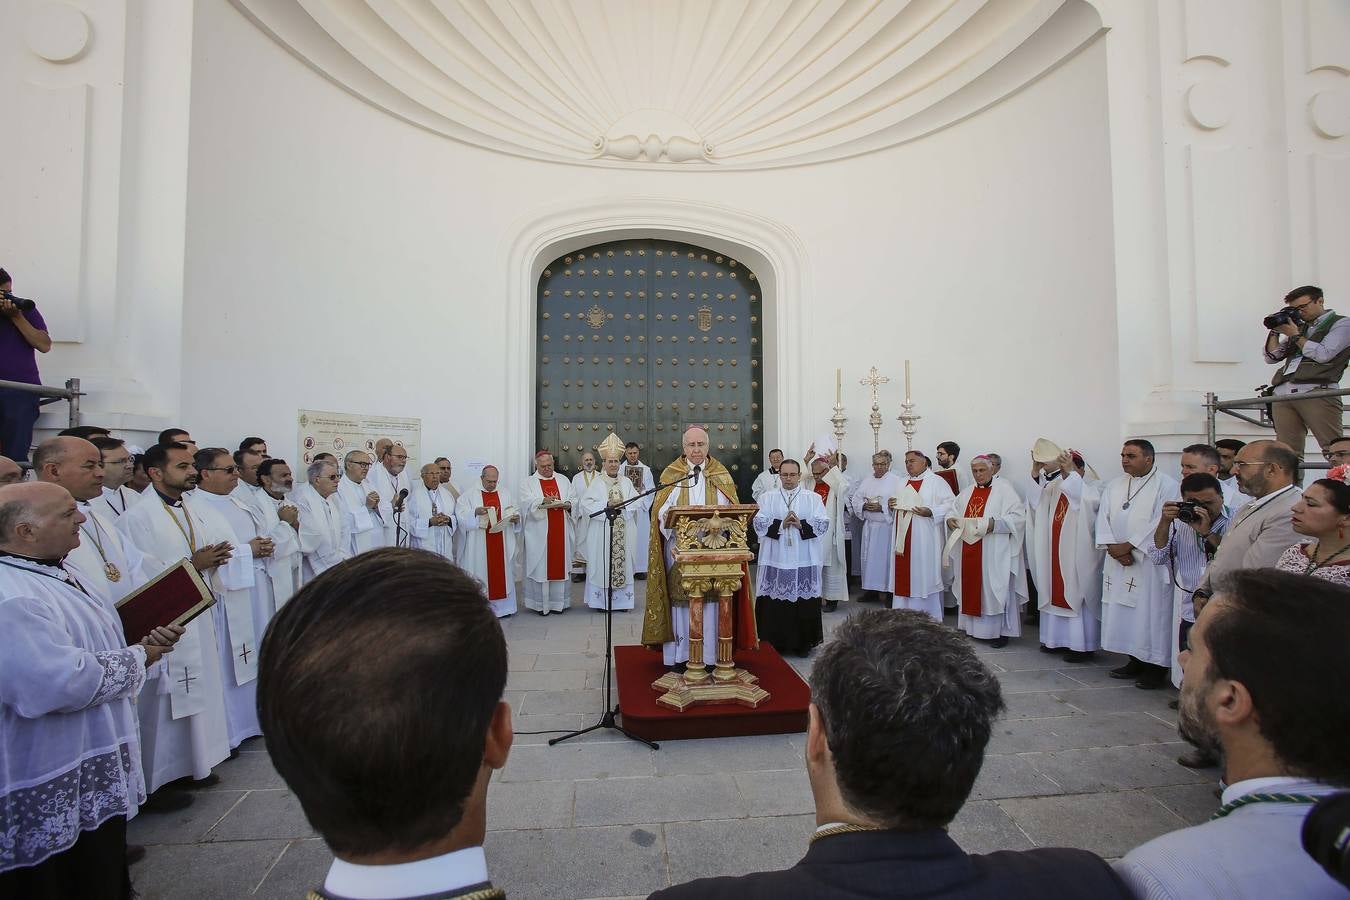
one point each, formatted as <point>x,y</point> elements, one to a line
<point>1313,352</point>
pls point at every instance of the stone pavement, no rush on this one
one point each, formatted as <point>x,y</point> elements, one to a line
<point>1079,760</point>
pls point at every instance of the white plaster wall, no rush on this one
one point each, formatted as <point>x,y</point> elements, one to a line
<point>338,258</point>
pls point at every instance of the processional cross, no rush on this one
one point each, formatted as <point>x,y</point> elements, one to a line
<point>874,380</point>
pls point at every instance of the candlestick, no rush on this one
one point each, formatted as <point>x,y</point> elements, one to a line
<point>838,386</point>
<point>838,419</point>
<point>907,394</point>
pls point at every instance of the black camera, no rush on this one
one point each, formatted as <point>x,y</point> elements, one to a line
<point>1326,836</point>
<point>1280,317</point>
<point>21,303</point>
<point>1188,510</point>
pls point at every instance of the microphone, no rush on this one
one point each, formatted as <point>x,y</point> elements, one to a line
<point>694,474</point>
<point>398,501</point>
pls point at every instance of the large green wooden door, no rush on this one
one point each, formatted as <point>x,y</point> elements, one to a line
<point>645,337</point>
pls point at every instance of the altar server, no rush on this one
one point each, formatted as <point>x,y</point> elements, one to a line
<point>1136,593</point>
<point>389,479</point>
<point>431,515</point>
<point>68,733</point>
<point>490,522</point>
<point>324,538</point>
<point>606,566</point>
<point>546,507</point>
<point>1065,562</point>
<point>921,506</point>
<point>791,524</point>
<point>184,729</point>
<point>640,476</point>
<point>362,507</point>
<point>872,504</point>
<point>768,479</point>
<point>831,486</point>
<point>984,553</point>
<point>581,482</point>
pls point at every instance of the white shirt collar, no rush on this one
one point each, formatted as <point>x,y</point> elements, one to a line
<point>439,874</point>
<point>1276,784</point>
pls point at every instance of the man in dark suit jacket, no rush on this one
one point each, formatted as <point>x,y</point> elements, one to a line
<point>901,713</point>
<point>380,696</point>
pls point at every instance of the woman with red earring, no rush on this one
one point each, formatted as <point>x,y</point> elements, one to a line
<point>1324,515</point>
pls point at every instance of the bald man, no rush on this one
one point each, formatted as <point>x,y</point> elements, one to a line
<point>703,481</point>
<point>431,514</point>
<point>10,473</point>
<point>491,524</point>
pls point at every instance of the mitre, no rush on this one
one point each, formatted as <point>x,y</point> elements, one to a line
<point>1045,451</point>
<point>611,447</point>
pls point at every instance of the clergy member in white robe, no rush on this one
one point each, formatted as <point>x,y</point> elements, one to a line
<point>768,479</point>
<point>116,497</point>
<point>791,524</point>
<point>831,486</point>
<point>431,515</point>
<point>184,730</point>
<point>639,475</point>
<point>361,504</point>
<point>490,522</point>
<point>872,504</point>
<point>1136,593</point>
<point>921,504</point>
<point>446,470</point>
<point>68,683</point>
<point>324,539</point>
<point>389,479</point>
<point>581,482</point>
<point>283,566</point>
<point>546,508</point>
<point>1066,563</point>
<point>984,553</point>
<point>606,567</point>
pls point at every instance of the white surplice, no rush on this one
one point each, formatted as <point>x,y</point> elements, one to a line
<point>542,594</point>
<point>388,486</point>
<point>789,562</point>
<point>422,505</point>
<point>877,537</point>
<point>364,527</point>
<point>834,546</point>
<point>1136,599</point>
<point>1004,587</point>
<point>1077,627</point>
<point>474,555</point>
<point>69,742</point>
<point>116,501</point>
<point>602,568</point>
<point>184,728</point>
<point>642,480</point>
<point>764,482</point>
<point>283,566</point>
<point>101,544</point>
<point>695,491</point>
<point>324,540</point>
<point>581,483</point>
<point>926,579</point>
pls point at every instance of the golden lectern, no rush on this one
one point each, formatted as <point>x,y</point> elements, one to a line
<point>710,557</point>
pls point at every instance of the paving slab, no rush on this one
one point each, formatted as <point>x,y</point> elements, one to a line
<point>781,793</point>
<point>983,827</point>
<point>1078,732</point>
<point>573,760</point>
<point>747,753</point>
<point>673,798</point>
<point>1194,803</point>
<point>565,863</point>
<point>527,805</point>
<point>184,826</point>
<point>736,846</point>
<point>1107,824</point>
<point>302,868</point>
<point>263,814</point>
<point>224,871</point>
<point>1012,776</point>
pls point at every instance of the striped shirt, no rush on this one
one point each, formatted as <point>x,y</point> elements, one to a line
<point>1185,559</point>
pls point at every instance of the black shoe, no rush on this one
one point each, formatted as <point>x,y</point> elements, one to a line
<point>1173,704</point>
<point>166,801</point>
<point>999,642</point>
<point>1197,759</point>
<point>188,783</point>
<point>1151,683</point>
<point>1079,656</point>
<point>1132,669</point>
<point>135,853</point>
<point>831,605</point>
<point>639,576</point>
<point>680,668</point>
<point>234,753</point>
<point>1045,649</point>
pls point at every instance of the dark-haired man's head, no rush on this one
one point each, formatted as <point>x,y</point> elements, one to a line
<point>1199,458</point>
<point>1338,452</point>
<point>904,752</point>
<point>631,452</point>
<point>1204,488</point>
<point>389,754</point>
<point>117,461</point>
<point>1243,700</point>
<point>174,435</point>
<point>1136,457</point>
<point>247,461</point>
<point>254,444</point>
<point>1228,450</point>
<point>275,477</point>
<point>216,471</point>
<point>88,432</point>
<point>947,453</point>
<point>1263,467</point>
<point>170,469</point>
<point>1307,301</point>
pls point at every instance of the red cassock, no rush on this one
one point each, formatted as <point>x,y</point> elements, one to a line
<point>902,555</point>
<point>557,537</point>
<point>496,552</point>
<point>972,559</point>
<point>1056,578</point>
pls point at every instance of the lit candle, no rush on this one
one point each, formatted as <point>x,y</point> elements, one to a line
<point>838,385</point>
<point>907,379</point>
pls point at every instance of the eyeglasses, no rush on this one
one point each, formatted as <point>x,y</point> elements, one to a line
<point>1334,455</point>
<point>364,465</point>
<point>1256,463</point>
<point>330,478</point>
<point>229,470</point>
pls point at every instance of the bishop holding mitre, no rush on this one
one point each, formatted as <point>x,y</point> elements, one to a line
<point>703,481</point>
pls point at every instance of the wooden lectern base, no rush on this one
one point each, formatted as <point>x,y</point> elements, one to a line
<point>737,686</point>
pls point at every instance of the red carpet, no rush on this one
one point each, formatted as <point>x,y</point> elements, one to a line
<point>783,713</point>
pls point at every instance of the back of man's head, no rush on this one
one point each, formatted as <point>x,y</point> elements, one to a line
<point>907,709</point>
<point>1283,637</point>
<point>384,748</point>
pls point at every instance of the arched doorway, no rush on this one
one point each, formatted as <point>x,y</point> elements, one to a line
<point>644,337</point>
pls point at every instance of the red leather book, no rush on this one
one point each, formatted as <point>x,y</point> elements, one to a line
<point>175,596</point>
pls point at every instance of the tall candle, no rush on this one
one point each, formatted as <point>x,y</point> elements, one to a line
<point>907,394</point>
<point>838,385</point>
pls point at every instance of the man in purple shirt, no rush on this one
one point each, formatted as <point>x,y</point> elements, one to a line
<point>21,332</point>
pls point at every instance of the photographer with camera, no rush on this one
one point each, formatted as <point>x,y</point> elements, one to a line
<point>22,331</point>
<point>1313,344</point>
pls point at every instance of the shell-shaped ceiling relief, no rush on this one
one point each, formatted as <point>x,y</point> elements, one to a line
<point>681,83</point>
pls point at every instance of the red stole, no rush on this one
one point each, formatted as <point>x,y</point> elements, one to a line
<point>496,552</point>
<point>949,476</point>
<point>823,492</point>
<point>902,565</point>
<point>1056,578</point>
<point>557,537</point>
<point>972,559</point>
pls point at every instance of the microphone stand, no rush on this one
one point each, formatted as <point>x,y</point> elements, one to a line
<point>607,718</point>
<point>400,533</point>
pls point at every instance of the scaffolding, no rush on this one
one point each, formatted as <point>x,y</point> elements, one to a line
<point>1261,405</point>
<point>70,393</point>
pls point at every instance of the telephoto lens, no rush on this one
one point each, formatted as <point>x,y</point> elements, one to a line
<point>1326,835</point>
<point>22,303</point>
<point>1278,318</point>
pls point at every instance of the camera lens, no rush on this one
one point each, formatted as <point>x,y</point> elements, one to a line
<point>1326,836</point>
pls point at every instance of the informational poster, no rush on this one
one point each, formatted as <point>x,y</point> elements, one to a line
<point>340,433</point>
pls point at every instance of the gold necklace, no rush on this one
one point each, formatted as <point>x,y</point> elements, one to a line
<point>191,534</point>
<point>842,829</point>
<point>110,570</point>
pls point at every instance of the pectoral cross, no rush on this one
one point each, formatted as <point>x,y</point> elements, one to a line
<point>186,681</point>
<point>243,653</point>
<point>1129,585</point>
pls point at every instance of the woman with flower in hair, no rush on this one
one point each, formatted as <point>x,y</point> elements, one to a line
<point>1324,515</point>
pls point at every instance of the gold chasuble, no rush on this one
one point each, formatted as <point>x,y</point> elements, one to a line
<point>656,627</point>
